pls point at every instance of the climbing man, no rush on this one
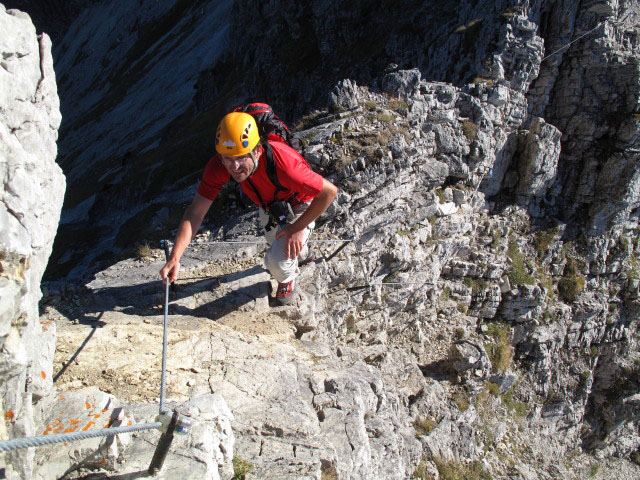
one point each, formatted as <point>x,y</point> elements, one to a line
<point>274,176</point>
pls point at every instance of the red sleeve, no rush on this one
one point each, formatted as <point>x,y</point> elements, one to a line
<point>213,179</point>
<point>294,172</point>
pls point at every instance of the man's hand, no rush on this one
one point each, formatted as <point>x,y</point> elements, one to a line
<point>170,270</point>
<point>294,237</point>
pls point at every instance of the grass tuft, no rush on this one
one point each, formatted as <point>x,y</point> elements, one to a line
<point>424,426</point>
<point>143,251</point>
<point>241,468</point>
<point>571,283</point>
<point>461,401</point>
<point>518,275</point>
<point>470,130</point>
<point>455,470</point>
<point>500,350</point>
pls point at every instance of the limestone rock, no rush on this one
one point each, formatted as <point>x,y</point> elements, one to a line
<point>538,159</point>
<point>344,94</point>
<point>402,83</point>
<point>466,355</point>
<point>31,200</point>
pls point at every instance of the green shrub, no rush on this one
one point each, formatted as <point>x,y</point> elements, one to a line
<point>241,468</point>
<point>421,472</point>
<point>520,409</point>
<point>329,473</point>
<point>424,425</point>
<point>385,117</point>
<point>500,356</point>
<point>543,239</point>
<point>445,295</point>
<point>398,104</point>
<point>455,470</point>
<point>518,274</point>
<point>492,388</point>
<point>499,331</point>
<point>370,105</point>
<point>571,283</point>
<point>500,351</point>
<point>570,287</point>
<point>633,273</point>
<point>496,237</point>
<point>390,278</point>
<point>476,284</point>
<point>461,400</point>
<point>308,121</point>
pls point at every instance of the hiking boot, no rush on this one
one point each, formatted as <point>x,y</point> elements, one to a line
<point>285,291</point>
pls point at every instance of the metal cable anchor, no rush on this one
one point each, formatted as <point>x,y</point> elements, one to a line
<point>171,423</point>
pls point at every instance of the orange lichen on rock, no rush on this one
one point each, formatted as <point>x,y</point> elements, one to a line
<point>88,425</point>
<point>8,415</point>
<point>55,427</point>
<point>43,374</point>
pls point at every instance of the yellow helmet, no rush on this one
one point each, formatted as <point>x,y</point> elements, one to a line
<point>237,134</point>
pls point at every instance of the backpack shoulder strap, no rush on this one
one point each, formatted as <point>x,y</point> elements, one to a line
<point>272,172</point>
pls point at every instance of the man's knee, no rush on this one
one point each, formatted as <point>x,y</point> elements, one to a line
<point>280,267</point>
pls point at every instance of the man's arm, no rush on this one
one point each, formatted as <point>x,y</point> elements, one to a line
<point>318,205</point>
<point>191,221</point>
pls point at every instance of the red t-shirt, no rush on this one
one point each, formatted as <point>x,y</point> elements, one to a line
<point>292,170</point>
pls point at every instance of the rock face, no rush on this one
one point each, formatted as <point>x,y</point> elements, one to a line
<point>31,199</point>
<point>448,335</point>
<point>120,61</point>
<point>595,107</point>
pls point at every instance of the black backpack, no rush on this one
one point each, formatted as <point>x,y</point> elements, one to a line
<point>270,127</point>
<point>269,124</point>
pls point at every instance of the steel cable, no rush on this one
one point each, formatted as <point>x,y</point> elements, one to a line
<point>261,242</point>
<point>17,443</point>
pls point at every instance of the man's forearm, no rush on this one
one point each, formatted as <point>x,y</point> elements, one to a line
<point>191,221</point>
<point>317,206</point>
<point>183,238</point>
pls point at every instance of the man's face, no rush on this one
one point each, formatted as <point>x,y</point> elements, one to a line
<point>239,167</point>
